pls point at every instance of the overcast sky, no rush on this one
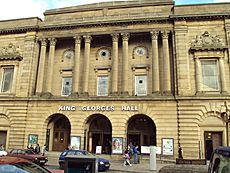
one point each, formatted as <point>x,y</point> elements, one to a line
<point>13,9</point>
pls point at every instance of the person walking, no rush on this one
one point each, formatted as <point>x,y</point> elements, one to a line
<point>135,153</point>
<point>180,152</point>
<point>127,158</point>
<point>43,149</point>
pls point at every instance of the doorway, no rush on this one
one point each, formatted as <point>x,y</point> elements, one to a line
<point>141,131</point>
<point>212,141</point>
<point>3,135</point>
<point>58,133</point>
<point>99,133</point>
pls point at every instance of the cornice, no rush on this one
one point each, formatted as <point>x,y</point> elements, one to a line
<point>108,5</point>
<point>200,16</point>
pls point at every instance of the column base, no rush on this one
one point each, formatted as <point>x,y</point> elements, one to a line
<point>46,95</point>
<point>84,94</point>
<point>124,93</point>
<point>156,93</point>
<point>167,93</point>
<point>114,94</point>
<point>75,94</point>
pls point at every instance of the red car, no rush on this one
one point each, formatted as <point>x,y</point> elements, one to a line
<point>29,155</point>
<point>14,164</point>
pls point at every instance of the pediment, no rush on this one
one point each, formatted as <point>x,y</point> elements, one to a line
<point>206,41</point>
<point>10,52</point>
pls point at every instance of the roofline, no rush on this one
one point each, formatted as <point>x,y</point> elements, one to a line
<point>109,5</point>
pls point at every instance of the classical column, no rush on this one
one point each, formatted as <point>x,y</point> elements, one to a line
<point>166,64</point>
<point>51,65</point>
<point>76,67</point>
<point>198,75</point>
<point>155,63</point>
<point>222,75</point>
<point>88,39</point>
<point>125,60</point>
<point>115,38</point>
<point>41,68</point>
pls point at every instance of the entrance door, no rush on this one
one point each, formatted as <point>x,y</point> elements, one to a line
<point>3,137</point>
<point>141,131</point>
<point>134,138</point>
<point>100,134</point>
<point>61,135</point>
<point>212,140</point>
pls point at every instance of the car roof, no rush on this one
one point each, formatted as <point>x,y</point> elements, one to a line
<point>223,151</point>
<point>9,160</point>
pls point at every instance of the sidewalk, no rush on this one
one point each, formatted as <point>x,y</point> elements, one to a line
<point>117,166</point>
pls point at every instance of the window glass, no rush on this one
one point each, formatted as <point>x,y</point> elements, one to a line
<point>140,85</point>
<point>7,79</point>
<point>102,86</point>
<point>210,75</point>
<point>66,86</point>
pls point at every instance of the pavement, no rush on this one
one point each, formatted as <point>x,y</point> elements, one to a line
<point>162,166</point>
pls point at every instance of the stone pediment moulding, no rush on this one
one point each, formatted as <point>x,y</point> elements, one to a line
<point>206,41</point>
<point>10,52</point>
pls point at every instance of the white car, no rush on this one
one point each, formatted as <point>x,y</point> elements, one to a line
<point>3,153</point>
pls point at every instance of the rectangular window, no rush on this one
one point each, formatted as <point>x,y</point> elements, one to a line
<point>66,86</point>
<point>210,75</point>
<point>102,86</point>
<point>141,85</point>
<point>7,79</point>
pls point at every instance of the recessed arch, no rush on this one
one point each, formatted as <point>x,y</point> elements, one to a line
<point>99,133</point>
<point>58,132</point>
<point>141,130</point>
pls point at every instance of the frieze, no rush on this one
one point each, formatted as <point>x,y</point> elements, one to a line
<point>10,52</point>
<point>207,41</point>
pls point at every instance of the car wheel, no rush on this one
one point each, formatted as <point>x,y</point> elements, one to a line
<point>61,165</point>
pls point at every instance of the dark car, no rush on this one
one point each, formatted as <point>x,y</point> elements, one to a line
<point>29,155</point>
<point>10,164</point>
<point>220,160</point>
<point>103,164</point>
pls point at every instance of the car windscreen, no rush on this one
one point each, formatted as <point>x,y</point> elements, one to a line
<point>29,152</point>
<point>22,167</point>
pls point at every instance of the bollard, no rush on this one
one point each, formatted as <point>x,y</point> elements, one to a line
<point>152,159</point>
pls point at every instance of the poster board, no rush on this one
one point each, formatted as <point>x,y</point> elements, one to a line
<point>167,146</point>
<point>32,139</point>
<point>117,145</point>
<point>75,142</point>
<point>98,149</point>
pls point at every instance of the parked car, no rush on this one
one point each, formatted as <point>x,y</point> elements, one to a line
<point>220,160</point>
<point>10,164</point>
<point>29,155</point>
<point>3,153</point>
<point>103,164</point>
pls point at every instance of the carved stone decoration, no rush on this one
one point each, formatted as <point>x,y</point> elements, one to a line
<point>103,53</point>
<point>140,51</point>
<point>10,52</point>
<point>207,41</point>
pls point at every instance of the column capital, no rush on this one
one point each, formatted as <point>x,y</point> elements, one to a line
<point>115,37</point>
<point>53,41</point>
<point>43,41</point>
<point>125,36</point>
<point>154,35</point>
<point>87,38</point>
<point>78,39</point>
<point>165,34</point>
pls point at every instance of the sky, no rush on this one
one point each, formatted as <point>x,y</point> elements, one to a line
<point>14,9</point>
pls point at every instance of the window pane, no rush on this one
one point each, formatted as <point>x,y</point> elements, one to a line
<point>66,86</point>
<point>102,86</point>
<point>141,85</point>
<point>7,79</point>
<point>210,75</point>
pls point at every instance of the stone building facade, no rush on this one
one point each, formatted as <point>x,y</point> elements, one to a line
<point>147,72</point>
